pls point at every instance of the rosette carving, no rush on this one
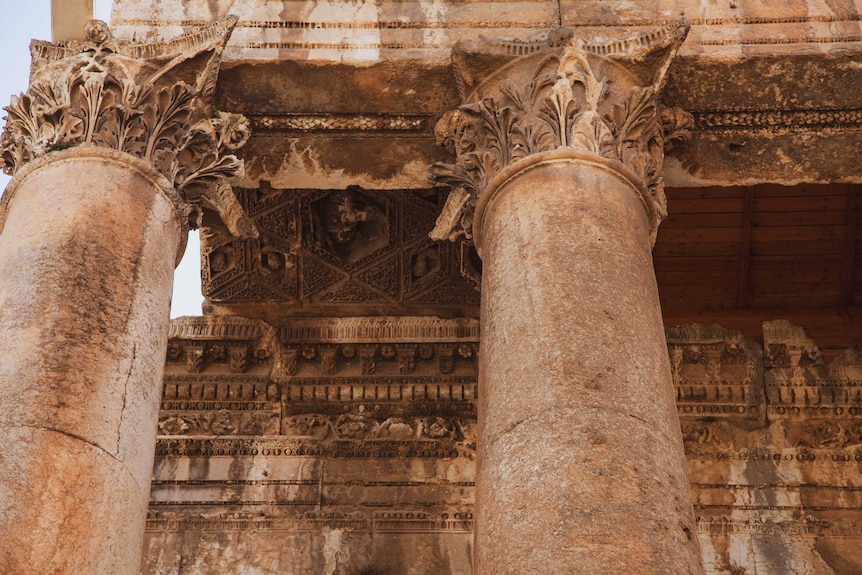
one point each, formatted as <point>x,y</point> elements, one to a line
<point>152,101</point>
<point>556,92</point>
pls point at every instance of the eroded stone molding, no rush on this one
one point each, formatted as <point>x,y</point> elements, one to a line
<point>152,101</point>
<point>557,93</point>
<point>716,373</point>
<point>783,474</point>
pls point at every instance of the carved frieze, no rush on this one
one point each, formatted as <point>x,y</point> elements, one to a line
<point>340,122</point>
<point>308,447</point>
<point>758,524</point>
<point>396,520</point>
<point>372,427</point>
<point>367,424</point>
<point>716,372</point>
<point>380,360</point>
<point>153,101</point>
<point>558,92</point>
<point>800,383</point>
<point>326,380</point>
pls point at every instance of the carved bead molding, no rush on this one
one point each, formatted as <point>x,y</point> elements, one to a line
<point>522,99</point>
<point>153,101</point>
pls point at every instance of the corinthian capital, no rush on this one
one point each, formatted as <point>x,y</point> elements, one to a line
<point>153,101</point>
<point>556,92</point>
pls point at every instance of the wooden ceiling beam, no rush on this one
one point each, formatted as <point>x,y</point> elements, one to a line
<point>848,266</point>
<point>744,274</point>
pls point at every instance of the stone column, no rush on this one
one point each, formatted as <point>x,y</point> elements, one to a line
<point>559,150</point>
<point>113,149</point>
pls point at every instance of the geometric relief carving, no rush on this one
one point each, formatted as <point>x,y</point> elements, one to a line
<point>339,248</point>
<point>261,268</point>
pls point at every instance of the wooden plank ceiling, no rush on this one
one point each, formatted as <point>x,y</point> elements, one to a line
<point>739,256</point>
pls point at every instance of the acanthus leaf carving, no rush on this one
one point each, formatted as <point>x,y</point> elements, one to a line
<point>151,101</point>
<point>563,94</point>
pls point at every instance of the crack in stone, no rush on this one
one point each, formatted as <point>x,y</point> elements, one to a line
<point>125,393</point>
<point>510,428</point>
<point>72,435</point>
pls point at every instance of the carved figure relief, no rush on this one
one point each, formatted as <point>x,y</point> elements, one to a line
<point>338,248</point>
<point>351,224</point>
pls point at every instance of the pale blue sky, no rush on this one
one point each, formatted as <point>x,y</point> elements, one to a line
<point>28,19</point>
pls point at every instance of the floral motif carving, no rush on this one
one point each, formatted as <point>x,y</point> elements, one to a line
<point>150,101</point>
<point>827,433</point>
<point>221,422</point>
<point>350,426</point>
<point>560,95</point>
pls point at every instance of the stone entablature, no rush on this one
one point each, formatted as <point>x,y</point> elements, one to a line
<point>716,373</point>
<point>790,124</point>
<point>263,453</point>
<point>350,438</point>
<point>424,30</point>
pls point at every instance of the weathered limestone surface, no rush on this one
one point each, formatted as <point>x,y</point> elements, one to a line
<point>250,476</point>
<point>778,495</point>
<point>346,445</point>
<point>325,83</point>
<point>559,149</point>
<point>90,292</point>
<point>324,446</point>
<point>113,150</point>
<point>367,31</point>
<point>580,465</point>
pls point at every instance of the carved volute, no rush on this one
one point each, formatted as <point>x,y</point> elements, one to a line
<point>555,95</point>
<point>152,101</point>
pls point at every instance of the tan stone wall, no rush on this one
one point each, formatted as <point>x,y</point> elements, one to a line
<point>303,458</point>
<point>326,446</point>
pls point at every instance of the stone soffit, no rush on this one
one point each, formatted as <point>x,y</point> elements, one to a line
<point>343,99</point>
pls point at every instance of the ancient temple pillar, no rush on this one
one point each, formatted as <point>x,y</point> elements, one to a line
<point>113,149</point>
<point>559,149</point>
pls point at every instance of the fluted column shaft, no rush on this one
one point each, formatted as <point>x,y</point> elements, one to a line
<point>558,179</point>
